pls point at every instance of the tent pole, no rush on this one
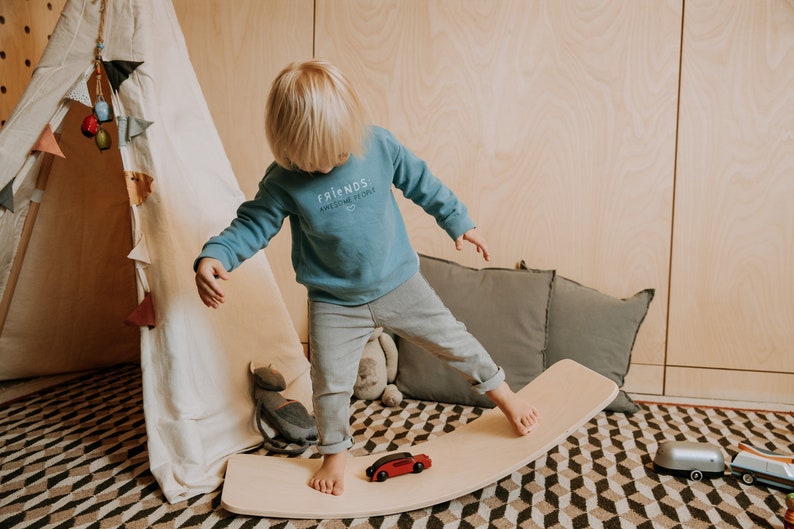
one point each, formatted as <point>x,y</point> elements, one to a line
<point>24,239</point>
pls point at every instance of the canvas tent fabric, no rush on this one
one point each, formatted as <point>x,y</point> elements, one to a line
<point>90,239</point>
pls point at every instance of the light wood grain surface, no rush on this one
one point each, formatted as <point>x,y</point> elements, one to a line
<point>732,291</point>
<point>554,122</point>
<point>24,33</point>
<point>730,385</point>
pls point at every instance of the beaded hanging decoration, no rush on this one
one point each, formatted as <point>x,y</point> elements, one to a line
<point>102,112</point>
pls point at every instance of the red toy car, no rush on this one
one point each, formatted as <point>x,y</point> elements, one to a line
<point>397,464</point>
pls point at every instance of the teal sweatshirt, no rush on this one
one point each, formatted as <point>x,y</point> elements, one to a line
<point>349,242</point>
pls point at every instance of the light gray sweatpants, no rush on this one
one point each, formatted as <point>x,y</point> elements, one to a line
<point>414,312</point>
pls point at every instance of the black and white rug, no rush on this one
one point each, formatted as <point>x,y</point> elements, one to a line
<point>74,456</point>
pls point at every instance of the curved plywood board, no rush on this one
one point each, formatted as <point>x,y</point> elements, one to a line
<point>470,458</point>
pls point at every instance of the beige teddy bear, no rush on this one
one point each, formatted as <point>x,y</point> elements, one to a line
<point>378,370</point>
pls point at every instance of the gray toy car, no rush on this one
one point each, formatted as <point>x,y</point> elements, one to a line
<point>686,458</point>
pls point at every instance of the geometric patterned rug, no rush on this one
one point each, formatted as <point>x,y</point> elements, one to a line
<point>74,456</point>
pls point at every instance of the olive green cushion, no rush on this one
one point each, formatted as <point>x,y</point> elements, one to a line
<point>596,330</point>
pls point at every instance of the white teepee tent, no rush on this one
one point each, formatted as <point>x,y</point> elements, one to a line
<point>89,240</point>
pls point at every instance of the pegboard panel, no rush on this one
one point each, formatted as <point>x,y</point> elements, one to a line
<point>25,28</point>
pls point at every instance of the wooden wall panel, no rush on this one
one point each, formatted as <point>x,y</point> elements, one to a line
<point>554,121</point>
<point>237,48</point>
<point>773,387</point>
<point>732,291</point>
<point>645,378</point>
<point>25,28</point>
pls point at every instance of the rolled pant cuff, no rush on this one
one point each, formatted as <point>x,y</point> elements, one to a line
<point>335,448</point>
<point>490,384</point>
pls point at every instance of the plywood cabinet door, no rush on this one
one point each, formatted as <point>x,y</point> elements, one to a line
<point>732,272</point>
<point>553,121</point>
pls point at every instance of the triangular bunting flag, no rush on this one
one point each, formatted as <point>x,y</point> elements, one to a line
<point>139,186</point>
<point>140,252</point>
<point>48,143</point>
<point>130,127</point>
<point>143,315</point>
<point>118,71</point>
<point>7,197</point>
<point>79,90</point>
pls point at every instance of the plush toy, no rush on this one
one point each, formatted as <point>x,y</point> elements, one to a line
<point>378,370</point>
<point>285,425</point>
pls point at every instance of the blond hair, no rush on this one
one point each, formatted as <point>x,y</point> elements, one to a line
<point>314,118</point>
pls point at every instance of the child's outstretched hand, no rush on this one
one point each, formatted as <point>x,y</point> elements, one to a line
<point>208,272</point>
<point>474,237</point>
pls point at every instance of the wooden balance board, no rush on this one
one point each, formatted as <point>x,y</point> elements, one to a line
<point>469,458</point>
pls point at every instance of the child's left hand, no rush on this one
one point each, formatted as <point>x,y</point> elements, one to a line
<point>474,237</point>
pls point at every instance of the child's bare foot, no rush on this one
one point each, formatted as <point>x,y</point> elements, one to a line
<point>521,414</point>
<point>330,478</point>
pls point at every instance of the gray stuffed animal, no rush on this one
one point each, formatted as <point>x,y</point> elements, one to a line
<point>285,425</point>
<point>377,370</point>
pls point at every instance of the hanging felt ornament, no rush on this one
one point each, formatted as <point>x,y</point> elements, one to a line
<point>102,110</point>
<point>102,139</point>
<point>90,126</point>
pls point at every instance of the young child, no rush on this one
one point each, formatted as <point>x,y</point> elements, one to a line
<point>333,179</point>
